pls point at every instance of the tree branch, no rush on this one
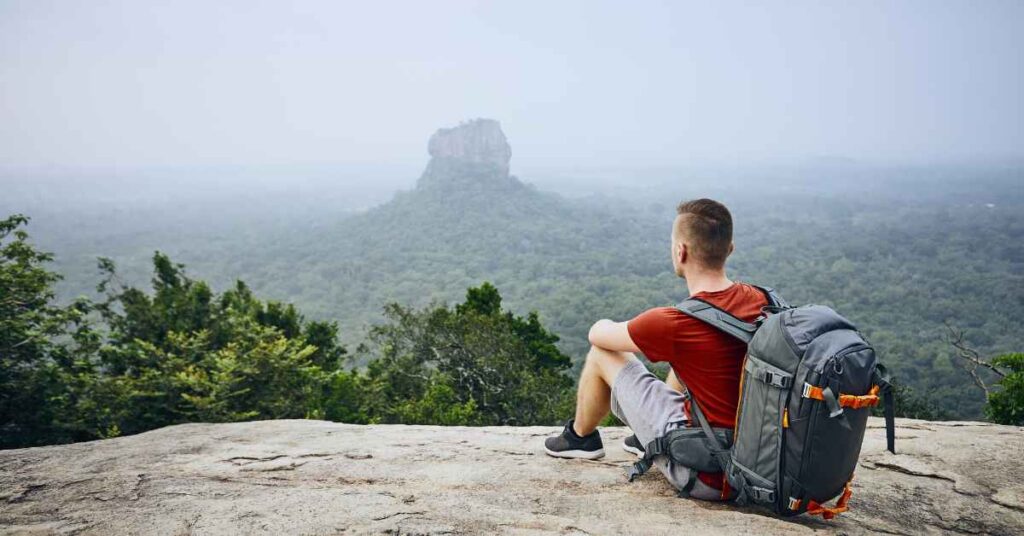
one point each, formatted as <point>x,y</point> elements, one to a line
<point>972,359</point>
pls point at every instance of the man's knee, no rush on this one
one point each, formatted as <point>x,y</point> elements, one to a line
<point>608,362</point>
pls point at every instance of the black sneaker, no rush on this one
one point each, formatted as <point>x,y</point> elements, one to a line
<point>570,445</point>
<point>632,445</point>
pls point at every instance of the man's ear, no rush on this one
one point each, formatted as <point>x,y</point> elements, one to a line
<point>682,252</point>
<point>730,249</point>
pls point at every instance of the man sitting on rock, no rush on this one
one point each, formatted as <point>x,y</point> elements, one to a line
<point>707,361</point>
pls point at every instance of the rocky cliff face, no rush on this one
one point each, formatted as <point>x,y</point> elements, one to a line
<point>473,153</point>
<point>314,477</point>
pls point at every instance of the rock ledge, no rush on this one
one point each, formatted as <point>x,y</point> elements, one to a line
<point>315,477</point>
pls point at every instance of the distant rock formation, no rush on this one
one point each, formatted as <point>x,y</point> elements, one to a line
<point>473,153</point>
<point>316,477</point>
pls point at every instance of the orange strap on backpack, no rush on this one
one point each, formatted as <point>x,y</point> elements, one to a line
<point>846,401</point>
<point>813,508</point>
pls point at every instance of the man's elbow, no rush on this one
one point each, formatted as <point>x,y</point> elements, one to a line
<point>594,336</point>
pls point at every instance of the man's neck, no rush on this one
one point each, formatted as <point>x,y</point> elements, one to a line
<point>707,282</point>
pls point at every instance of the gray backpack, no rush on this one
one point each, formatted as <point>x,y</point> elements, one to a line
<point>808,382</point>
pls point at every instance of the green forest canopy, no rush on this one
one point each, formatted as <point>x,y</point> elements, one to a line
<point>181,353</point>
<point>900,253</point>
<point>140,360</point>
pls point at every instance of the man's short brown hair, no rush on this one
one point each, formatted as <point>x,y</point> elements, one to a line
<point>707,226</point>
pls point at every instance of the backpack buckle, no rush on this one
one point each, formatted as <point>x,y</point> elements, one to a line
<point>762,495</point>
<point>637,470</point>
<point>775,379</point>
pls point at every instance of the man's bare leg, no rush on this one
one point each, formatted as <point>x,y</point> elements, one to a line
<point>593,396</point>
<point>674,382</point>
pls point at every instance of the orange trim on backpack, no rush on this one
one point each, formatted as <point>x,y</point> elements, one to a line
<point>739,402</point>
<point>813,508</point>
<point>812,391</point>
<point>846,401</point>
<point>785,418</point>
<point>857,402</point>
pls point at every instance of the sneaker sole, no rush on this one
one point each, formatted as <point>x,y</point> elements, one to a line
<point>581,454</point>
<point>633,450</point>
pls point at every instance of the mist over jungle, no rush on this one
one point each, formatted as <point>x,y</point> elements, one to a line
<point>871,156</point>
<point>903,251</point>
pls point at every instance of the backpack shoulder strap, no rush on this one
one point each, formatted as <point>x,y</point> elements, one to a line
<point>718,318</point>
<point>774,298</point>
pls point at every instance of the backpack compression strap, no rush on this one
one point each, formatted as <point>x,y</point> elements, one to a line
<point>881,379</point>
<point>718,318</point>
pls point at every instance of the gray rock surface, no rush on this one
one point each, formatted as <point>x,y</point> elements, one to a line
<point>479,140</point>
<point>474,153</point>
<point>314,477</point>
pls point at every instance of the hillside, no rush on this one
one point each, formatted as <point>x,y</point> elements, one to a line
<point>313,477</point>
<point>899,269</point>
<point>467,220</point>
<point>899,252</point>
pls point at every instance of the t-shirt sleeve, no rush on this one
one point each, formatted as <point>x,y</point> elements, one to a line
<point>652,332</point>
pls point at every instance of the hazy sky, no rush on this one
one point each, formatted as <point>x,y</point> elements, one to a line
<point>146,83</point>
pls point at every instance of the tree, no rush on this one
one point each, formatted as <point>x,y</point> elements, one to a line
<point>37,344</point>
<point>1004,402</point>
<point>1006,406</point>
<point>474,364</point>
<point>183,353</point>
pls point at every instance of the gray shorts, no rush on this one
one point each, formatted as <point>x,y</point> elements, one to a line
<point>651,408</point>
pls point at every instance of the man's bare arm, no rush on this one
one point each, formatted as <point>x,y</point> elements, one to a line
<point>612,335</point>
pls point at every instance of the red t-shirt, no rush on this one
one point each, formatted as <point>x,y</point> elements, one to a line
<point>707,361</point>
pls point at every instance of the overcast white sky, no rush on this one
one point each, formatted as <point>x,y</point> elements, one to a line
<point>145,83</point>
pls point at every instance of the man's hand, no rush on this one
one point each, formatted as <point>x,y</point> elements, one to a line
<point>611,336</point>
